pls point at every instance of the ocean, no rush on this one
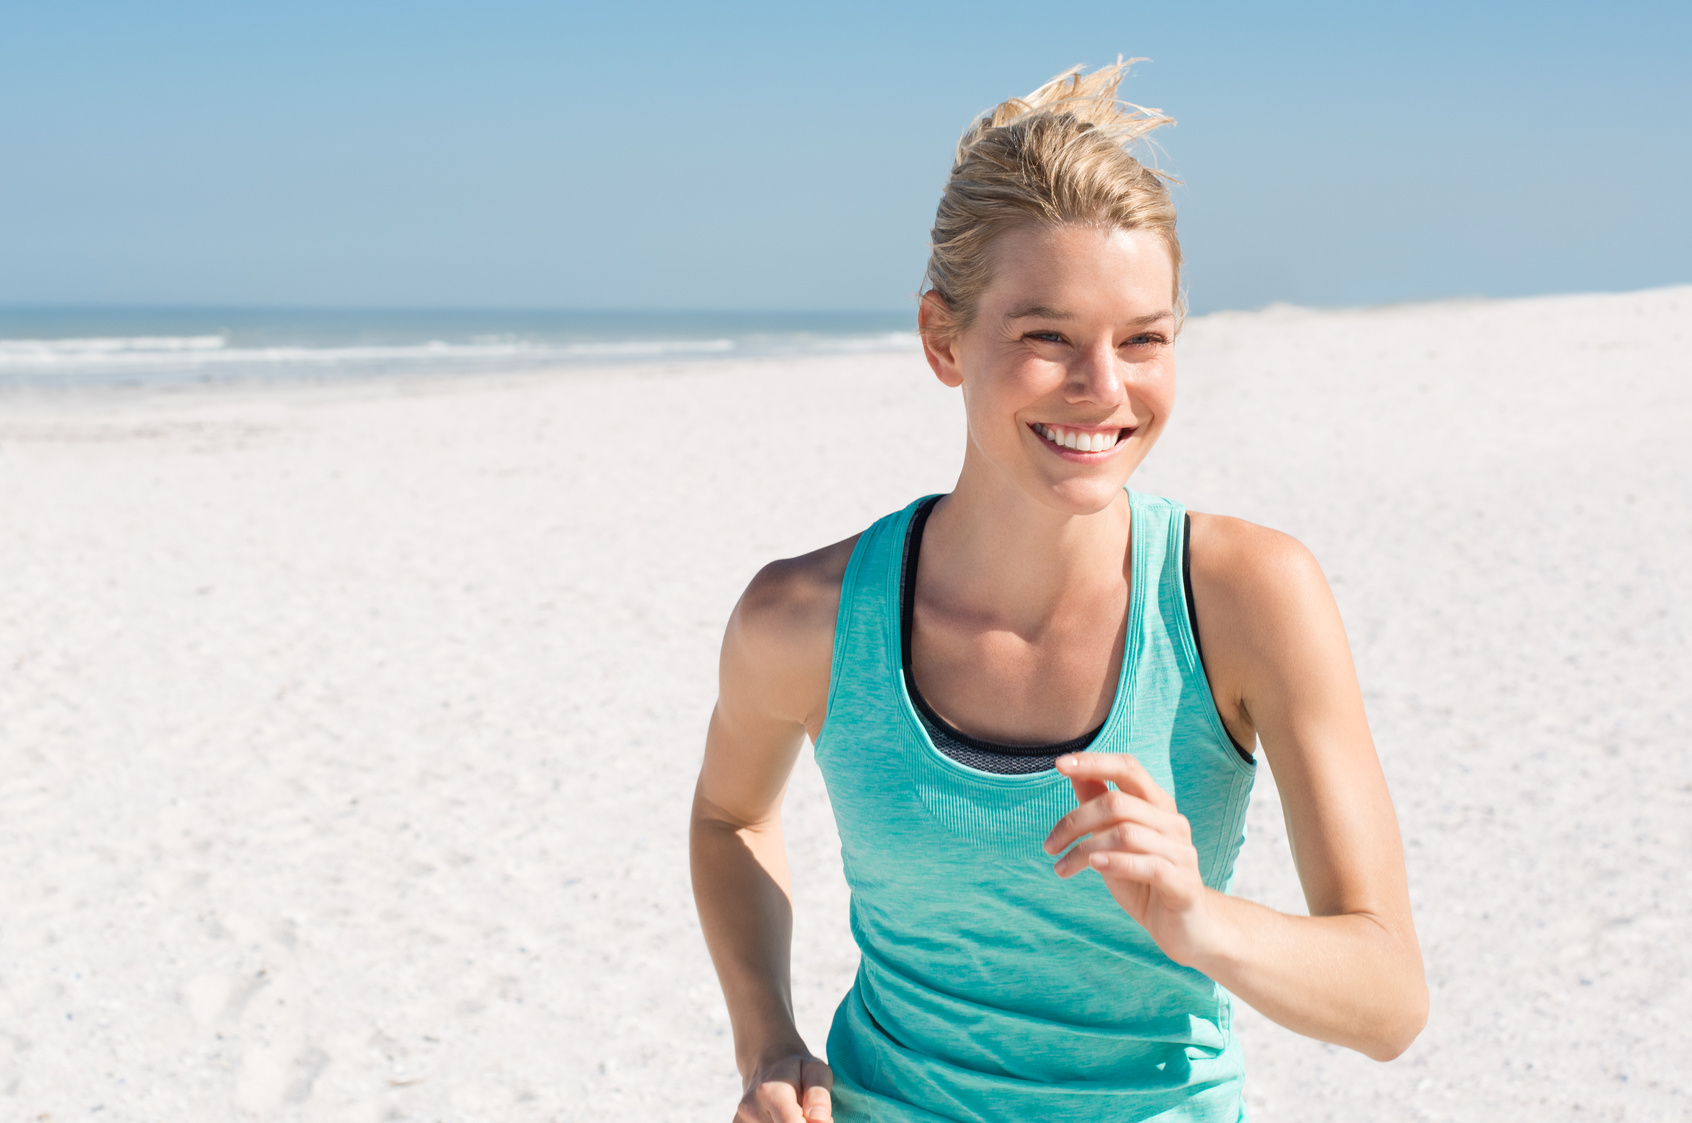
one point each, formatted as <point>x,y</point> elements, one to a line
<point>84,347</point>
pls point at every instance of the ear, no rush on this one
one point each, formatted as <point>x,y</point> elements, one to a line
<point>939,338</point>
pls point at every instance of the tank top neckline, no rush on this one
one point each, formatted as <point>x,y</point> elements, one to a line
<point>977,752</point>
<point>1105,738</point>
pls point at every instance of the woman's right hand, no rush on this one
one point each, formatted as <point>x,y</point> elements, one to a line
<point>788,1089</point>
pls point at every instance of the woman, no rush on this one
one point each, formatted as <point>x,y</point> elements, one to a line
<point>1034,701</point>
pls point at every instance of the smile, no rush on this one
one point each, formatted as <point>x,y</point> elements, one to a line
<point>1080,440</point>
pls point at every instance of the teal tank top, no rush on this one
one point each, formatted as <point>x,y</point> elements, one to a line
<point>987,987</point>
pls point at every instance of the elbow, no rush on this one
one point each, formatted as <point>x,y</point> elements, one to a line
<point>1400,1010</point>
<point>1399,1031</point>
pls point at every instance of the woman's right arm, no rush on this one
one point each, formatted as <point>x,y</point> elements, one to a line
<point>772,690</point>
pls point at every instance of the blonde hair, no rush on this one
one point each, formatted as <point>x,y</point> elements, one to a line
<point>1062,155</point>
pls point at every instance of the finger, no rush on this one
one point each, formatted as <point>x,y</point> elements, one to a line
<point>1106,810</point>
<point>1120,769</point>
<point>818,1081</point>
<point>1087,790</point>
<point>1126,838</point>
<point>1146,869</point>
<point>779,1102</point>
<point>1086,786</point>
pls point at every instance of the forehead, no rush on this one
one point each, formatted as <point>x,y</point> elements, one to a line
<point>1081,270</point>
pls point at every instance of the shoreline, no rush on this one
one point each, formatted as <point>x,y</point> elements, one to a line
<point>303,376</point>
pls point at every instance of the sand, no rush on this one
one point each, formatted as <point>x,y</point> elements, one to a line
<point>347,733</point>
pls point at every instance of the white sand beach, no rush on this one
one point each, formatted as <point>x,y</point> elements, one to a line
<point>347,732</point>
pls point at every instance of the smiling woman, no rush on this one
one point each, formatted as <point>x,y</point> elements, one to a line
<point>1044,664</point>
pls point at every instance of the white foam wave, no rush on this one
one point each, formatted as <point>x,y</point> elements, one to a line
<point>886,341</point>
<point>641,348</point>
<point>161,359</point>
<point>212,351</point>
<point>101,347</point>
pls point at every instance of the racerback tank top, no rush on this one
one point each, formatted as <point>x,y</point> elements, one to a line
<point>988,988</point>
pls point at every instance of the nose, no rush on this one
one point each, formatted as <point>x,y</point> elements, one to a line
<point>1097,377</point>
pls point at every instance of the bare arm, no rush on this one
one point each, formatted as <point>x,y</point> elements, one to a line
<point>773,686</point>
<point>1351,971</point>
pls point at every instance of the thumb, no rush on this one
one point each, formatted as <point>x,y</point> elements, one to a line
<point>815,1081</point>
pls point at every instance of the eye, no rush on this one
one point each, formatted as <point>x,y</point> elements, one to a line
<point>1145,339</point>
<point>1044,336</point>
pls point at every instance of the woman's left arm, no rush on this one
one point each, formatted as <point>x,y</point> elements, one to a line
<point>1280,666</point>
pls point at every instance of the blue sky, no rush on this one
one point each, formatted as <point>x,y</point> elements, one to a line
<point>786,156</point>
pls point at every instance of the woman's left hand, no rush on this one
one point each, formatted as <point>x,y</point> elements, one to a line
<point>1140,844</point>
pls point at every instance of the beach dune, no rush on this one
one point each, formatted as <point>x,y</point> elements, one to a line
<point>347,733</point>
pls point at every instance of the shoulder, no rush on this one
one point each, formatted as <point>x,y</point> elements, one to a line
<point>1263,602</point>
<point>1239,558</point>
<point>791,599</point>
<point>780,639</point>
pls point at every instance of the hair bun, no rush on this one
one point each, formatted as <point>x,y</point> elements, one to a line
<point>1087,99</point>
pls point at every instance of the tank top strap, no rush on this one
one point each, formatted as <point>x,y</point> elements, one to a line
<point>866,630</point>
<point>1157,592</point>
<point>1156,528</point>
<point>1166,627</point>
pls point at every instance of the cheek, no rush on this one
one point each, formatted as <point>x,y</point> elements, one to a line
<point>989,413</point>
<point>998,395</point>
<point>1157,389</point>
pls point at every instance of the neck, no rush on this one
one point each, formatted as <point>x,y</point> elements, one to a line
<point>992,544</point>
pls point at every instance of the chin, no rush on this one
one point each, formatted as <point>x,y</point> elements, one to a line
<point>1082,496</point>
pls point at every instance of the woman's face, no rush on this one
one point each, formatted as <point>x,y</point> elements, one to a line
<point>1068,371</point>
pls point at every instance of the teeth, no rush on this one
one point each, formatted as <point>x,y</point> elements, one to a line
<point>1079,439</point>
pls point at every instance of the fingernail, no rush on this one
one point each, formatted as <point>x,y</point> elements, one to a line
<point>1065,762</point>
<point>1099,861</point>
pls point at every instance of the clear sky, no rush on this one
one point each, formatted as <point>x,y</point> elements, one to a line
<point>629,155</point>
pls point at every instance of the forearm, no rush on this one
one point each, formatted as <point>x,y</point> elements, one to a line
<point>740,886</point>
<point>1349,979</point>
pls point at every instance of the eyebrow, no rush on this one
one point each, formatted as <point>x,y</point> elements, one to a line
<point>1038,310</point>
<point>1044,312</point>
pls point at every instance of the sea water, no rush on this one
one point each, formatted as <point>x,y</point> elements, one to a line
<point>75,347</point>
